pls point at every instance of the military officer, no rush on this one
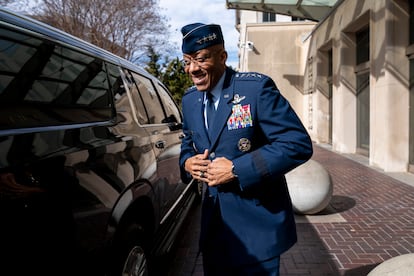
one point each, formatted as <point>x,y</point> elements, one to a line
<point>241,138</point>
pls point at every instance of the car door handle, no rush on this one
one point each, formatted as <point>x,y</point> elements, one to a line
<point>160,144</point>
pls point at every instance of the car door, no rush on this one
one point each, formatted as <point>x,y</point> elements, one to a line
<point>159,116</point>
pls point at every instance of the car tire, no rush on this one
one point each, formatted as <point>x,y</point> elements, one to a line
<point>136,263</point>
<point>130,253</point>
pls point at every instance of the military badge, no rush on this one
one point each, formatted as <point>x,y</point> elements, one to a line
<point>244,144</point>
<point>240,117</point>
<point>237,99</point>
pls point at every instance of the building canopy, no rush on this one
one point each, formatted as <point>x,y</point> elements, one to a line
<point>314,10</point>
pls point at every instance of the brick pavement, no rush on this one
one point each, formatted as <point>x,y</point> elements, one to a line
<point>370,219</point>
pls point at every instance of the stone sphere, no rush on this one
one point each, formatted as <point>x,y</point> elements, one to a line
<point>402,265</point>
<point>310,188</point>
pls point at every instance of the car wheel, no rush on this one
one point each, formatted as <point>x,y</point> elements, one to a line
<point>129,256</point>
<point>136,263</point>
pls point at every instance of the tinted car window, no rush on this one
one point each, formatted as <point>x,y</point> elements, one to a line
<point>141,112</point>
<point>170,108</point>
<point>152,101</point>
<point>150,98</point>
<point>45,84</point>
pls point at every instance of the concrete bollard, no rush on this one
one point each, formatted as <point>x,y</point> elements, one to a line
<point>402,265</point>
<point>310,188</point>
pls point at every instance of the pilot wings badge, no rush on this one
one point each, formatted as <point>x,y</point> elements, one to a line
<point>237,99</point>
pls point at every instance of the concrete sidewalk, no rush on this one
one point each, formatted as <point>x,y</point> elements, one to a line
<point>370,219</point>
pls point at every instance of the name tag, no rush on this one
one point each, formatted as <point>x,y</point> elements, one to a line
<point>240,117</point>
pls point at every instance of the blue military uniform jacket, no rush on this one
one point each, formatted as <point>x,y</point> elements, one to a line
<point>250,219</point>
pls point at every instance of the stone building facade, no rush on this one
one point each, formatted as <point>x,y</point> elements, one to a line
<point>348,76</point>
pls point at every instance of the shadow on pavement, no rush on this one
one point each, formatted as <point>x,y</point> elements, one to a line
<point>360,271</point>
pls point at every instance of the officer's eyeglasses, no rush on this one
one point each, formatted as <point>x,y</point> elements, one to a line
<point>197,60</point>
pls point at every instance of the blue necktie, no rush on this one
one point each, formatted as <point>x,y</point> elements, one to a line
<point>210,110</point>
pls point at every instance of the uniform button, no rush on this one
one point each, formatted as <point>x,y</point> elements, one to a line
<point>212,155</point>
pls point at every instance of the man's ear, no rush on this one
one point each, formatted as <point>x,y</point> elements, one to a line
<point>224,56</point>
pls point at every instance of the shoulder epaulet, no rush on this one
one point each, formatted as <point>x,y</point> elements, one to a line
<point>250,76</point>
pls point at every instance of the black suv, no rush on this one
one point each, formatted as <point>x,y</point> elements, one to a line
<point>89,146</point>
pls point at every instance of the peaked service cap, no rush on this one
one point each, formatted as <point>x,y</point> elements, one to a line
<point>199,36</point>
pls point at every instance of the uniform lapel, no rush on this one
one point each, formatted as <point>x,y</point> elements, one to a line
<point>223,109</point>
<point>198,119</point>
